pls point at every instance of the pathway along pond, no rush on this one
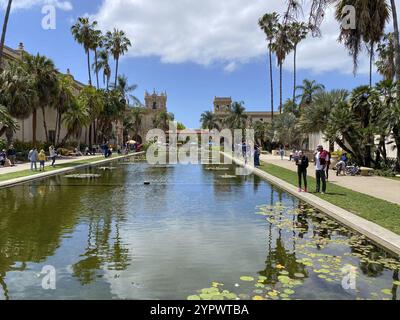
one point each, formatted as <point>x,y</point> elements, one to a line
<point>190,234</point>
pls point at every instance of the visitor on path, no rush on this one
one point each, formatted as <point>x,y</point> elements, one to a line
<point>320,168</point>
<point>53,156</point>
<point>302,163</point>
<point>328,164</point>
<point>12,155</point>
<point>33,158</point>
<point>257,153</point>
<point>3,157</point>
<point>42,160</point>
<point>282,152</point>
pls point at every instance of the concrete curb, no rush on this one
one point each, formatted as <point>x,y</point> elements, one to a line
<point>377,234</point>
<point>44,175</point>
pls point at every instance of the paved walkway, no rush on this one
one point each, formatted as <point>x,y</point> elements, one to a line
<point>378,187</point>
<point>27,166</point>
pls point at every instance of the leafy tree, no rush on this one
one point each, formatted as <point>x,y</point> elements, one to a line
<point>45,83</point>
<point>6,121</point>
<point>209,121</point>
<point>386,57</point>
<point>237,117</point>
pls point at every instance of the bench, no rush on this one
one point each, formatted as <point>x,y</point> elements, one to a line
<point>366,172</point>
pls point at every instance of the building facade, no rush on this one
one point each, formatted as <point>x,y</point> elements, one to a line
<point>222,107</point>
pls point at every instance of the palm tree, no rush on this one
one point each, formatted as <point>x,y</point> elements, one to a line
<point>396,43</point>
<point>136,120</point>
<point>3,34</point>
<point>281,47</point>
<point>17,91</point>
<point>126,89</point>
<point>237,117</point>
<point>83,32</point>
<point>386,62</point>
<point>103,64</point>
<point>118,44</point>
<point>93,100</point>
<point>75,119</point>
<point>162,119</point>
<point>268,23</point>
<point>65,100</point>
<point>97,43</point>
<point>298,32</point>
<point>6,121</point>
<point>371,19</point>
<point>208,120</point>
<point>309,88</point>
<point>44,74</point>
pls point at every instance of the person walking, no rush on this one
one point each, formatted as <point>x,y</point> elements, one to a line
<point>302,163</point>
<point>12,154</point>
<point>53,155</point>
<point>42,159</point>
<point>257,153</point>
<point>282,152</point>
<point>320,168</point>
<point>33,158</point>
<point>328,164</point>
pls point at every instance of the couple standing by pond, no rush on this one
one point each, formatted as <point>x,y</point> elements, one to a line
<point>322,161</point>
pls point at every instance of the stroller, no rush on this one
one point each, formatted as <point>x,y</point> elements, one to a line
<point>341,167</point>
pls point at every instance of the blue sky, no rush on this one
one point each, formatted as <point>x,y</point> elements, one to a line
<point>189,52</point>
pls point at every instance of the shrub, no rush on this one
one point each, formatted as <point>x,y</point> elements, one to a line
<point>3,144</point>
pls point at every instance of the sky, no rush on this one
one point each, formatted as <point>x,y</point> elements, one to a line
<point>194,50</point>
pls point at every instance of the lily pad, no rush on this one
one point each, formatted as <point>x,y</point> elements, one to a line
<point>193,297</point>
<point>247,278</point>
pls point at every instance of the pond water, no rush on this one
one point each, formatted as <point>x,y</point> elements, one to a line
<point>192,233</point>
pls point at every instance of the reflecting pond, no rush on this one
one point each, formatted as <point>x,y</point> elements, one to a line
<point>196,232</point>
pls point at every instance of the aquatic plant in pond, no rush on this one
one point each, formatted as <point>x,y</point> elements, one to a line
<point>316,238</point>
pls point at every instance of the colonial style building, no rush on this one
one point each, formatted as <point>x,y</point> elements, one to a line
<point>222,106</point>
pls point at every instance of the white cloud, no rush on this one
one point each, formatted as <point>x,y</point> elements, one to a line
<point>208,31</point>
<point>27,4</point>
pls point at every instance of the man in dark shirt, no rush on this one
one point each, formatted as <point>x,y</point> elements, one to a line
<point>302,164</point>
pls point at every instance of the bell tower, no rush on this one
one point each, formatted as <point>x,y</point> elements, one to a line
<point>155,101</point>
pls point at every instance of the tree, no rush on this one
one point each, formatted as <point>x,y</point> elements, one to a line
<point>44,75</point>
<point>208,120</point>
<point>136,118</point>
<point>118,44</point>
<point>309,88</point>
<point>103,64</point>
<point>6,121</point>
<point>297,32</point>
<point>125,89</point>
<point>83,32</point>
<point>371,20</point>
<point>237,117</point>
<point>75,119</point>
<point>315,117</point>
<point>4,31</point>
<point>93,100</point>
<point>386,57</point>
<point>281,47</point>
<point>269,23</point>
<point>287,130</point>
<point>162,119</point>
<point>263,132</point>
<point>64,101</point>
<point>96,44</point>
<point>17,92</point>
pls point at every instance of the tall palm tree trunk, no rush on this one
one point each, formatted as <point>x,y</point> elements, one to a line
<point>3,34</point>
<point>271,82</point>
<point>294,74</point>
<point>116,71</point>
<point>371,61</point>
<point>97,68</point>
<point>34,126</point>
<point>88,62</point>
<point>280,87</point>
<point>45,124</point>
<point>396,42</point>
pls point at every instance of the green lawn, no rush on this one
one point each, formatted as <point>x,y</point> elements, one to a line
<point>27,173</point>
<point>379,211</point>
